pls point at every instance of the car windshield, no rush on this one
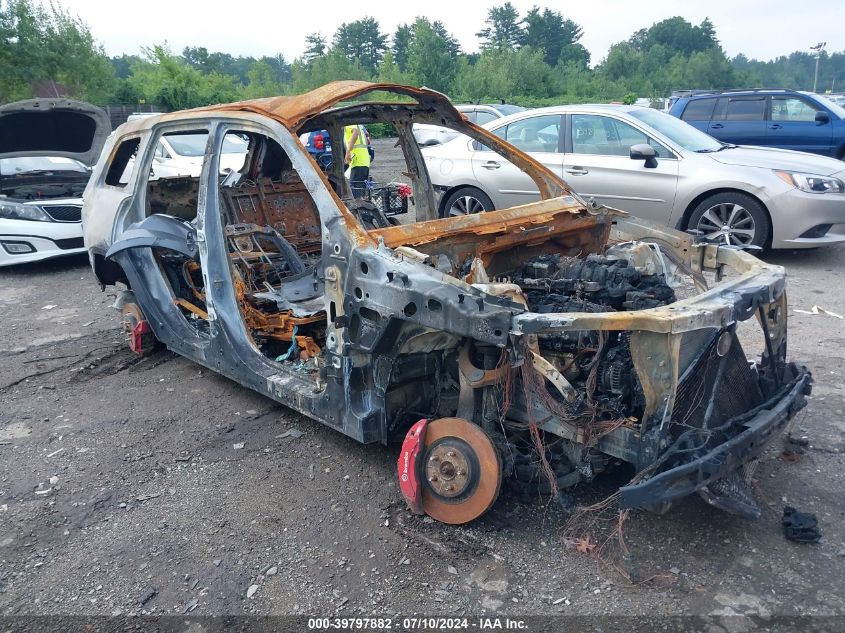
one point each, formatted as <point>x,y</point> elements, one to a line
<point>833,106</point>
<point>194,144</point>
<point>677,131</point>
<point>28,164</point>
<point>507,109</point>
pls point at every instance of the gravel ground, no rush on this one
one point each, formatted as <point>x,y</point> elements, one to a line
<point>154,486</point>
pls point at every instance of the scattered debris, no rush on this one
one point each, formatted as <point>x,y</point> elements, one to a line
<point>54,453</point>
<point>238,446</point>
<point>292,433</point>
<point>146,596</point>
<point>452,570</point>
<point>819,310</point>
<point>49,306</point>
<point>217,562</point>
<point>801,527</point>
<point>251,591</point>
<point>272,571</point>
<point>251,412</point>
<point>147,497</point>
<point>54,480</point>
<point>191,605</point>
<point>43,492</point>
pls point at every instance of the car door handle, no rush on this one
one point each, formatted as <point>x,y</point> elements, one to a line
<point>491,164</point>
<point>775,127</point>
<point>716,126</point>
<point>577,171</point>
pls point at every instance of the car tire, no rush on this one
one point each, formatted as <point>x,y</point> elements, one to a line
<point>732,218</point>
<point>466,200</point>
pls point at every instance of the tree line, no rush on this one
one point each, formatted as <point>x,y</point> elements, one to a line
<point>532,59</point>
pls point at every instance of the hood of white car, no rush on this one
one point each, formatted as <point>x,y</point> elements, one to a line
<point>773,158</point>
<point>53,127</point>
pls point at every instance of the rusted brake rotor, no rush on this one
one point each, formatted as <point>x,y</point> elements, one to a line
<point>461,471</point>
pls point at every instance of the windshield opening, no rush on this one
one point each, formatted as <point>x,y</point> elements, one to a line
<point>507,109</point>
<point>677,131</point>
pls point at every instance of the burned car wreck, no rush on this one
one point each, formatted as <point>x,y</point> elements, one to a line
<point>543,343</point>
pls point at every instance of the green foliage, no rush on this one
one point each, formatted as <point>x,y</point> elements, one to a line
<point>168,80</point>
<point>361,41</point>
<point>532,60</point>
<point>503,30</point>
<point>389,71</point>
<point>401,42</point>
<point>332,66</point>
<point>677,35</point>
<point>555,35</point>
<point>315,46</point>
<point>431,55</point>
<point>381,130</point>
<point>499,74</point>
<point>47,44</point>
<point>263,82</point>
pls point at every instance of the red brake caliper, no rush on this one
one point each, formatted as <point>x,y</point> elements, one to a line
<point>139,339</point>
<point>409,482</point>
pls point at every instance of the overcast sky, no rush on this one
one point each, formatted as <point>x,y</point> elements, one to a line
<point>759,29</point>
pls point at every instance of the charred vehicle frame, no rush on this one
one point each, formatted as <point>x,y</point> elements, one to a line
<point>542,343</point>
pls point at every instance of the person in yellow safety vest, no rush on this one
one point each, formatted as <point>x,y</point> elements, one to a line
<point>358,158</point>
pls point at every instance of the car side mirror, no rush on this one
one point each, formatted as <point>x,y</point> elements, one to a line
<point>644,151</point>
<point>822,117</point>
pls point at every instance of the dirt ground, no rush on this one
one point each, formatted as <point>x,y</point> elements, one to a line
<point>155,486</point>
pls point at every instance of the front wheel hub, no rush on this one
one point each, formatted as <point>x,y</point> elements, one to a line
<point>461,471</point>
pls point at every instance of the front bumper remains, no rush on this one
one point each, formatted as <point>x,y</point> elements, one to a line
<point>755,429</point>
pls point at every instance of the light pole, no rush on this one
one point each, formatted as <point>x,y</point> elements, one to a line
<point>818,48</point>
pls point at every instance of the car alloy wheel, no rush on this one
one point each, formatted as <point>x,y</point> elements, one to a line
<point>728,222</point>
<point>466,205</point>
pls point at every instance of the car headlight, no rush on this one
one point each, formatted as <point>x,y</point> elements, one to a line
<point>811,183</point>
<point>17,211</point>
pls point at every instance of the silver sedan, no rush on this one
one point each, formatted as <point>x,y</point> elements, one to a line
<point>654,166</point>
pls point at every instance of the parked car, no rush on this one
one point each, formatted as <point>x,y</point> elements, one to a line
<point>312,298</point>
<point>427,134</point>
<point>182,154</point>
<point>654,166</point>
<point>319,145</point>
<point>788,119</point>
<point>46,149</point>
<point>838,99</point>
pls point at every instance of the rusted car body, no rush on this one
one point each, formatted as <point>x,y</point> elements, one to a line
<point>555,328</point>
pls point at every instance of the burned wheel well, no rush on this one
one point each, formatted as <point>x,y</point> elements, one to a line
<point>682,223</point>
<point>108,272</point>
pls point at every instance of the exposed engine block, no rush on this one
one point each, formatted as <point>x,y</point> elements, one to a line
<point>553,283</point>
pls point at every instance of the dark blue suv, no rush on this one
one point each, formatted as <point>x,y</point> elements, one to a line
<point>788,119</point>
